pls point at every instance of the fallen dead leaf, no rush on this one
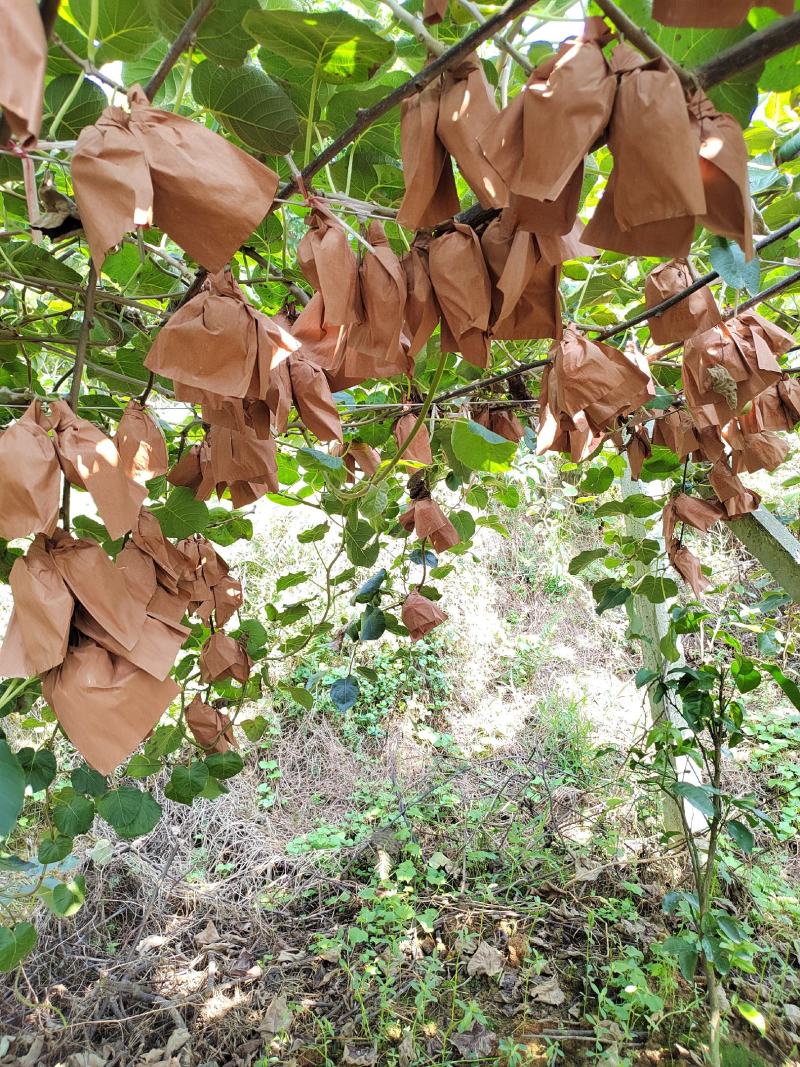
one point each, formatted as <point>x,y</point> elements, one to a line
<point>406,1052</point>
<point>486,960</point>
<point>277,1017</point>
<point>148,944</point>
<point>360,1057</point>
<point>476,1042</point>
<point>548,992</point>
<point>208,936</point>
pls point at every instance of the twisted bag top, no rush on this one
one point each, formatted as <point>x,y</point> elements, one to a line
<point>150,166</point>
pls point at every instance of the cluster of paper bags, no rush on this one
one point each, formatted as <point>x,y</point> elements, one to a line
<point>677,164</point>
<point>104,634</point>
<point>736,398</point>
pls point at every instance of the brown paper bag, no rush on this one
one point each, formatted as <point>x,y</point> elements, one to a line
<point>595,382</point>
<point>326,259</point>
<point>144,581</point>
<point>224,657</point>
<point>420,615</point>
<point>422,311</point>
<point>30,477</point>
<point>430,195</point>
<point>736,497</point>
<point>155,650</point>
<point>429,522</point>
<point>383,296</point>
<point>38,632</point>
<point>723,166</point>
<point>90,461</point>
<point>357,456</point>
<point>434,11</point>
<point>96,583</point>
<point>762,451</point>
<point>22,69</point>
<point>211,729</point>
<point>719,14</point>
<point>676,430</point>
<point>140,443</point>
<point>242,463</point>
<point>171,565</point>
<point>692,315</point>
<point>210,586</point>
<point>777,408</point>
<point>638,450</point>
<point>551,218</point>
<point>466,109</point>
<point>105,705</point>
<point>313,399</point>
<point>503,422</point>
<point>326,346</point>
<point>419,451</point>
<point>194,471</point>
<point>463,290</point>
<point>655,190</point>
<point>152,166</point>
<point>541,138</point>
<point>688,567</point>
<point>729,365</point>
<point>525,296</point>
<point>219,343</point>
<point>558,431</point>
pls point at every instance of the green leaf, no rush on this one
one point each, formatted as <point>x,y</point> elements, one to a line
<point>331,45</point>
<point>656,589</point>
<point>186,783</point>
<point>480,449</point>
<point>314,533</point>
<point>65,898</point>
<point>345,692</point>
<point>124,28</point>
<point>373,624</point>
<point>697,795</point>
<point>728,261</point>
<point>780,72</point>
<point>181,515</point>
<point>87,780</point>
<point>131,812</point>
<point>361,549</point>
<point>300,695</point>
<point>289,581</point>
<point>249,104</point>
<point>316,460</point>
<point>54,847</point>
<point>16,942</point>
<point>72,813</point>
<point>609,594</point>
<point>583,559</point>
<point>254,729</point>
<point>38,766</point>
<point>35,261</point>
<point>141,766</point>
<point>368,590</point>
<point>745,674</point>
<point>789,687</point>
<point>686,953</point>
<point>12,789</point>
<point>224,764</point>
<point>220,36</point>
<point>751,1013</point>
<point>85,109</point>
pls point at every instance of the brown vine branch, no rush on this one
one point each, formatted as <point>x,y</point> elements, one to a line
<point>644,42</point>
<point>366,116</point>
<point>757,48</point>
<point>182,41</point>
<point>83,338</point>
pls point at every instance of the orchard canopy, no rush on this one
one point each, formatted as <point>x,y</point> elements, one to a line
<point>361,259</point>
